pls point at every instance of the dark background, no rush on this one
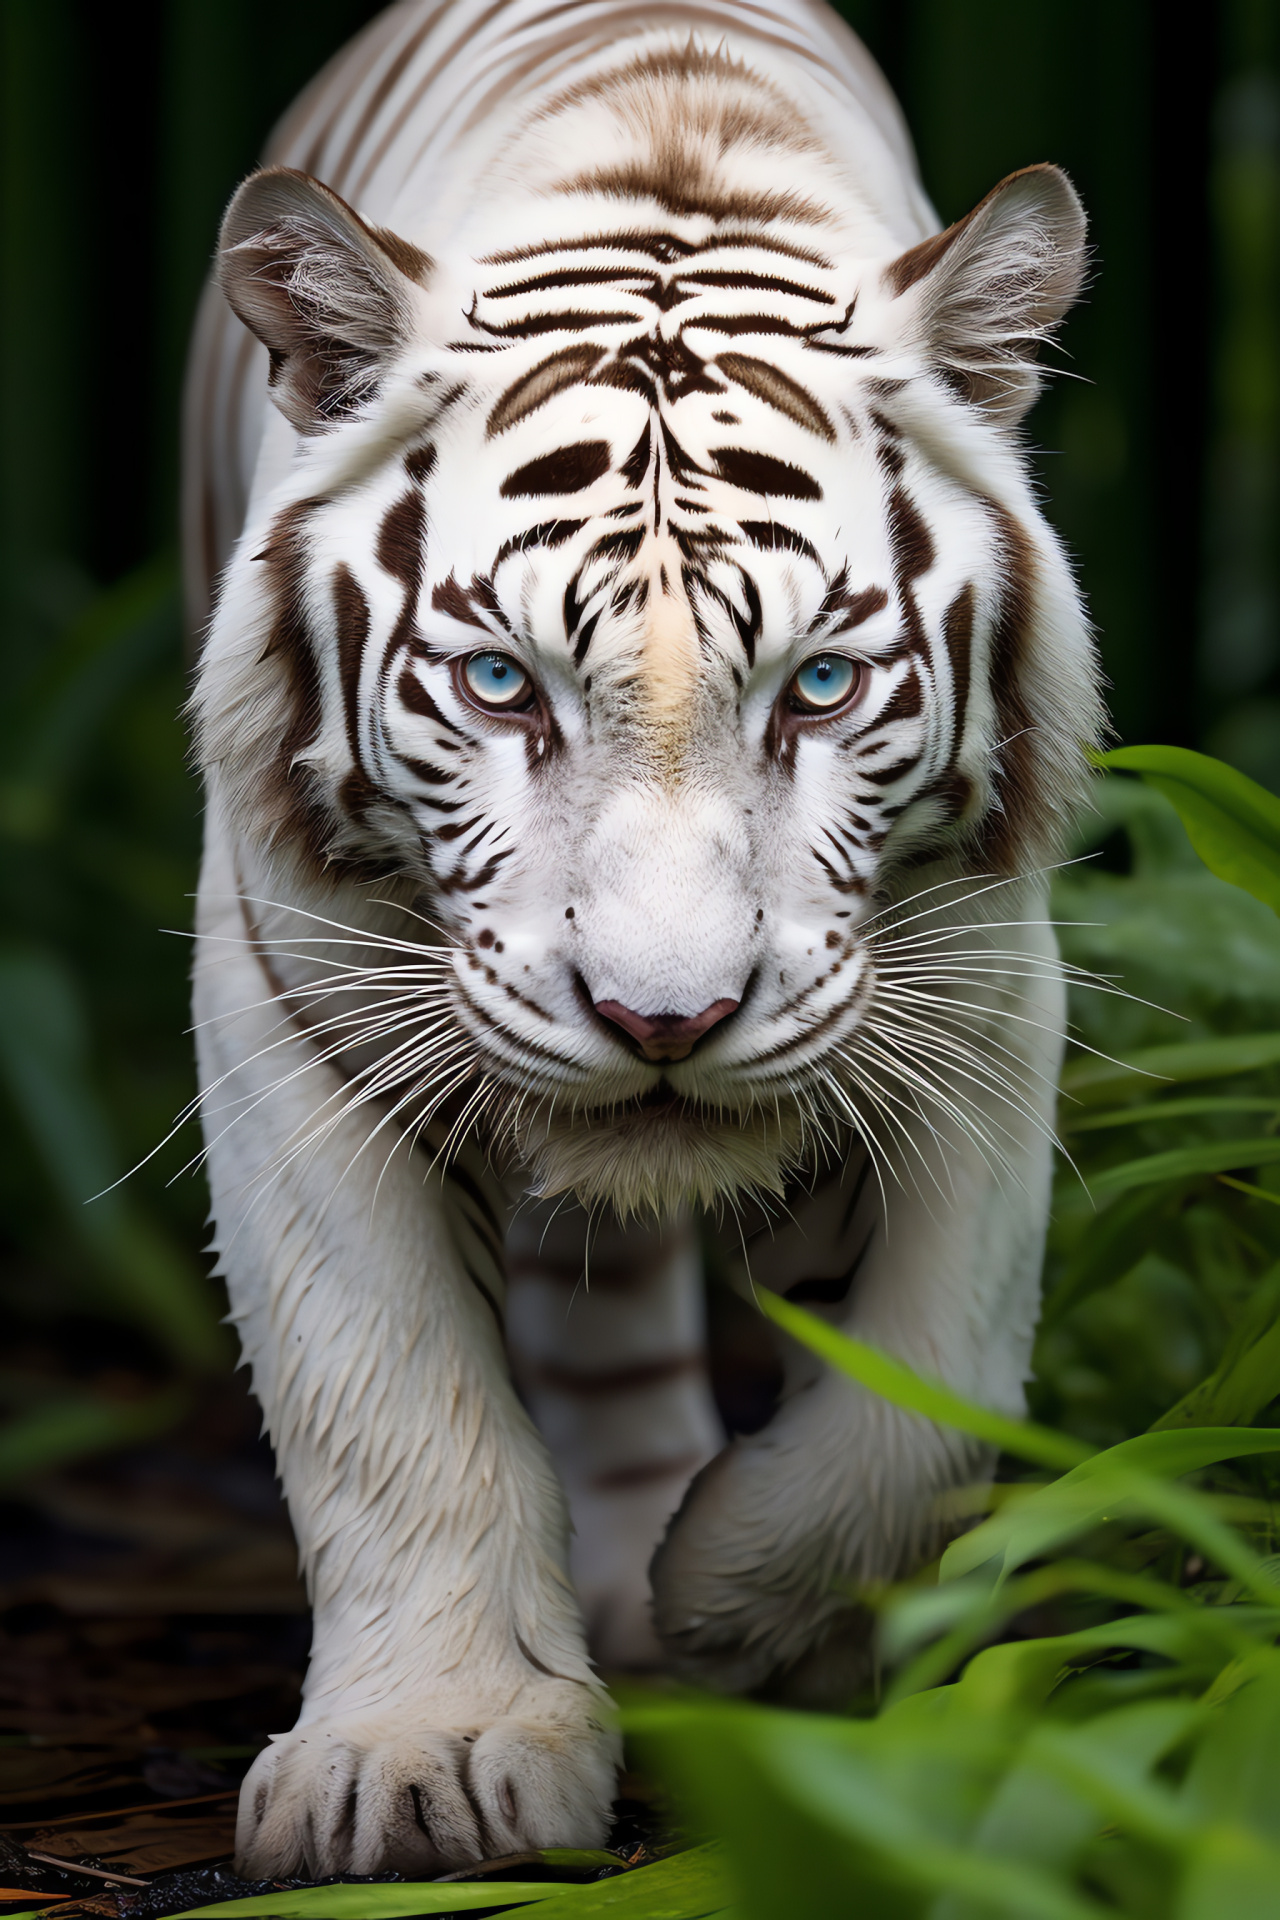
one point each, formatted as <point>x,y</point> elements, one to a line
<point>124,129</point>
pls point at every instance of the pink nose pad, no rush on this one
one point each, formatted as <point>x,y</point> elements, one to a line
<point>665,1036</point>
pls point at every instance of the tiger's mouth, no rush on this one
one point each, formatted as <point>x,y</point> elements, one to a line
<point>660,1151</point>
<point>661,1102</point>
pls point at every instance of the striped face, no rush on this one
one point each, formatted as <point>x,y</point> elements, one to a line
<point>661,618</point>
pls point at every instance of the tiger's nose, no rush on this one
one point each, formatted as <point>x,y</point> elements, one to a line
<point>665,1036</point>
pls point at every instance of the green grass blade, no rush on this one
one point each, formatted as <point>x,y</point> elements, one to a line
<point>1231,1874</point>
<point>896,1382</point>
<point>688,1886</point>
<point>977,1613</point>
<point>1247,1378</point>
<point>1246,1187</point>
<point>1129,1481</point>
<point>1157,1110</point>
<point>1094,1080</point>
<point>393,1902</point>
<point>1232,822</point>
<point>45,1062</point>
<point>78,1426</point>
<point>1185,1163</point>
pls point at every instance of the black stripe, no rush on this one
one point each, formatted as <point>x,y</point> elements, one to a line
<point>829,1292</point>
<point>481,1288</point>
<point>475,1193</point>
<point>663,247</point>
<point>757,283</point>
<point>770,537</point>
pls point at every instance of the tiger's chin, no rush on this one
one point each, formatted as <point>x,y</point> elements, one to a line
<point>656,1157</point>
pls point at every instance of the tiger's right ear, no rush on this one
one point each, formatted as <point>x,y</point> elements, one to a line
<point>330,297</point>
<point>990,290</point>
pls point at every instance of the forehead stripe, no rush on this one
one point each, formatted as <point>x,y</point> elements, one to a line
<point>761,473</point>
<point>567,470</point>
<point>777,390</point>
<point>542,383</point>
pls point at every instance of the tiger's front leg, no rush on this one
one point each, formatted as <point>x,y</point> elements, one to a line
<point>756,1582</point>
<point>449,1713</point>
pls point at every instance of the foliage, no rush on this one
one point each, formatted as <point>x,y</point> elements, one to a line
<point>97,843</point>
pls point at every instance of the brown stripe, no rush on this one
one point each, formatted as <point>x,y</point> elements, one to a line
<point>581,1385</point>
<point>957,632</point>
<point>400,536</point>
<point>471,31</point>
<point>542,383</point>
<point>374,104</point>
<point>909,537</point>
<point>1018,809</point>
<point>351,611</point>
<point>777,390</point>
<point>570,1272</point>
<point>290,799</point>
<point>658,246</point>
<point>645,1473</point>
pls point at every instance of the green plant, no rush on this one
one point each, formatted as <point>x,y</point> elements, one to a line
<point>97,848</point>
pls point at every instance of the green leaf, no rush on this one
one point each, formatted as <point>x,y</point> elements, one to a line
<point>1233,1774</point>
<point>1247,1378</point>
<point>1158,1110</point>
<point>688,1886</point>
<point>78,1426</point>
<point>1041,1816</point>
<point>896,1382</point>
<point>1230,1875</point>
<point>391,1902</point>
<point>967,1612</point>
<point>1110,1247</point>
<point>1232,822</point>
<point>1094,1080</point>
<point>1123,1484</point>
<point>1020,1675</point>
<point>44,1059</point>
<point>1184,1163</point>
<point>1246,1187</point>
<point>823,1817</point>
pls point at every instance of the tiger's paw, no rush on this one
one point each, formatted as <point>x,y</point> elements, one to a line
<point>383,1792</point>
<point>748,1599</point>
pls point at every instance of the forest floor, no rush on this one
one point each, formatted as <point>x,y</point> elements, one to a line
<point>153,1634</point>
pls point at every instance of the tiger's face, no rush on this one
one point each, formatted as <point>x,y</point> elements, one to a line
<point>661,627</point>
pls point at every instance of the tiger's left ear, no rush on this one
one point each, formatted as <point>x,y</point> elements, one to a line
<point>330,297</point>
<point>992,287</point>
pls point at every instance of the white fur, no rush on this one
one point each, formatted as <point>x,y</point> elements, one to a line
<point>374,1135</point>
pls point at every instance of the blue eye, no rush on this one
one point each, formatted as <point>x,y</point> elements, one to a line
<point>825,682</point>
<point>496,681</point>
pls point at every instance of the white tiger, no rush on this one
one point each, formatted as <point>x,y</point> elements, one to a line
<point>640,680</point>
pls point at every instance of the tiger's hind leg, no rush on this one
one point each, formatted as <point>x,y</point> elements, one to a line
<point>606,1336</point>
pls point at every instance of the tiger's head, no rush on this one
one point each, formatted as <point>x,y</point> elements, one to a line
<point>656,605</point>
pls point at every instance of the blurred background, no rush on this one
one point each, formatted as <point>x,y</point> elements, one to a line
<point>124,129</point>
